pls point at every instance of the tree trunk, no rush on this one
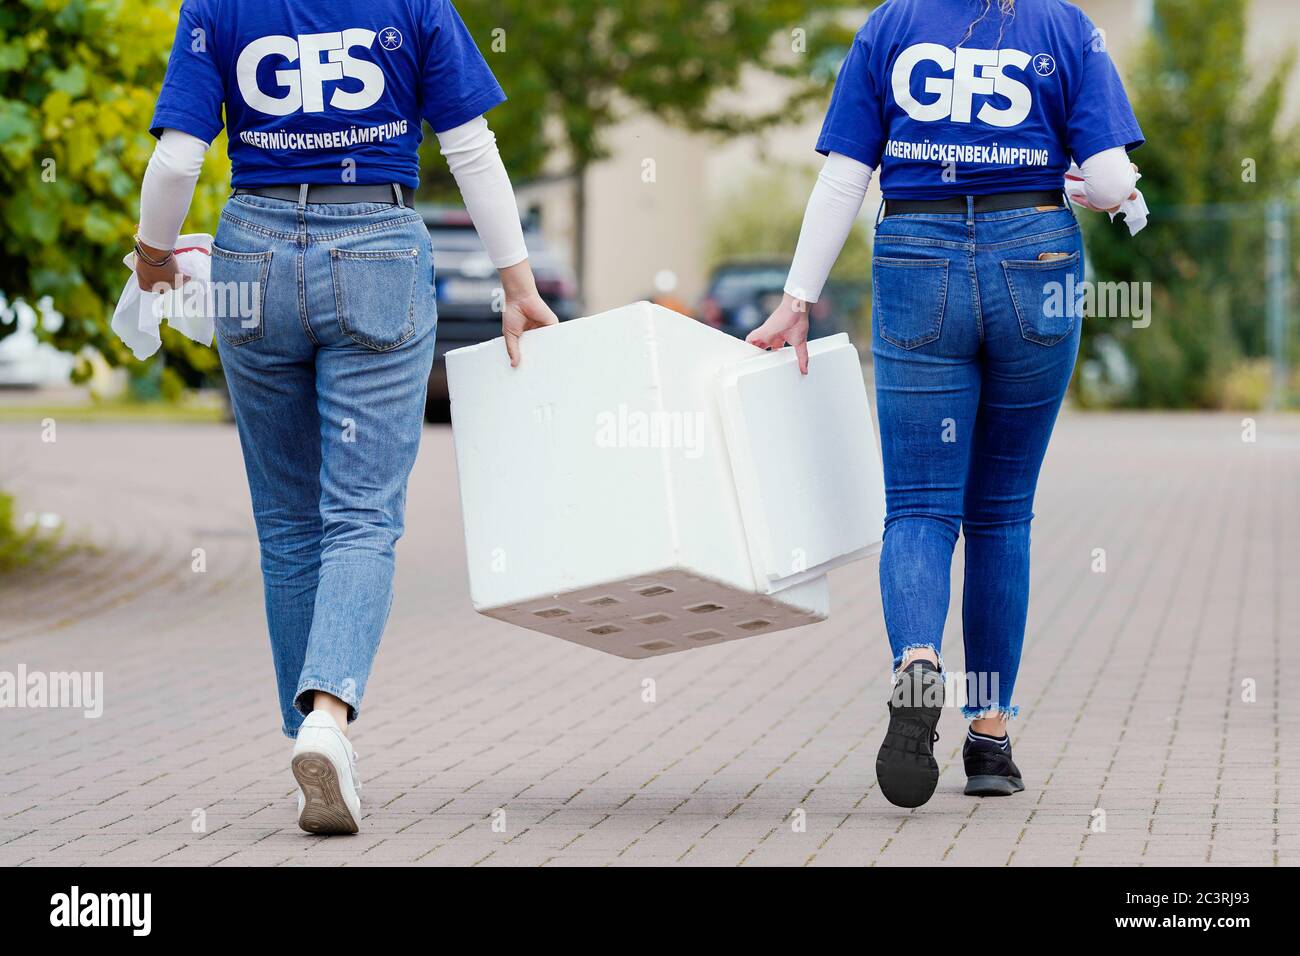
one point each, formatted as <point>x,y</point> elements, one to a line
<point>580,228</point>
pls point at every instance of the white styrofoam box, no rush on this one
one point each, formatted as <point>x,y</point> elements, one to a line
<point>597,488</point>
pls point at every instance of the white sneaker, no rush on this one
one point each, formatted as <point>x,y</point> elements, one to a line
<point>325,766</point>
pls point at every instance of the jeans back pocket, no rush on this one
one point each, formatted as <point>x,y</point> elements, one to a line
<point>374,293</point>
<point>237,293</point>
<point>1045,294</point>
<point>908,298</point>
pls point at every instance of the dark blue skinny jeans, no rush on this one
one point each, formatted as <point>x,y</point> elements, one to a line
<point>974,339</point>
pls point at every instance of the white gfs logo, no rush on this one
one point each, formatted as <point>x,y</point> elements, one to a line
<point>305,86</point>
<point>973,72</point>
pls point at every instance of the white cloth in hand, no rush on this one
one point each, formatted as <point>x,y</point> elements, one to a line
<point>1094,187</point>
<point>140,314</point>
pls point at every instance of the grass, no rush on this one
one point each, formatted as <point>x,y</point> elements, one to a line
<point>25,545</point>
<point>116,410</point>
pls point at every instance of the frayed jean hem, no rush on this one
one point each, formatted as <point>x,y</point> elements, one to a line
<point>902,654</point>
<point>984,713</point>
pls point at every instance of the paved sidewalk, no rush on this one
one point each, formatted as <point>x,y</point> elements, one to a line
<point>1137,745</point>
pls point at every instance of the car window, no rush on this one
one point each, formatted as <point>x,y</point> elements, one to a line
<point>749,281</point>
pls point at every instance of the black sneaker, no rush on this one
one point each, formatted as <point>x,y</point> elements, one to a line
<point>905,767</point>
<point>990,771</point>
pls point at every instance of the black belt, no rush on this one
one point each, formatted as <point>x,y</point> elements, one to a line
<point>330,192</point>
<point>994,202</point>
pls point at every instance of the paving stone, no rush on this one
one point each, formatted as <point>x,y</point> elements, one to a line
<point>1131,687</point>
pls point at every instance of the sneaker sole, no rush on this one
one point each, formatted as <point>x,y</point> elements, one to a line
<point>905,766</point>
<point>324,809</point>
<point>991,785</point>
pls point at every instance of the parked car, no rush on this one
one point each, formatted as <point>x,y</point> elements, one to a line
<point>741,295</point>
<point>467,285</point>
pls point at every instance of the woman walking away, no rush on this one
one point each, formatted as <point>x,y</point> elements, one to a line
<point>972,110</point>
<point>323,287</point>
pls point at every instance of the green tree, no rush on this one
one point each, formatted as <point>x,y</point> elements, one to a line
<point>78,82</point>
<point>761,216</point>
<point>759,219</point>
<point>1214,139</point>
<point>574,69</point>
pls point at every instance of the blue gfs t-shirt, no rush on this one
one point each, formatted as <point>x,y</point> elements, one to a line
<point>945,114</point>
<point>322,91</point>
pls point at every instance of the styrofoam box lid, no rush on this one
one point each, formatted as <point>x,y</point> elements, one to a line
<point>804,458</point>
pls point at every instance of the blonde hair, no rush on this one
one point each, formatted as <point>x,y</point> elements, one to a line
<point>1006,8</point>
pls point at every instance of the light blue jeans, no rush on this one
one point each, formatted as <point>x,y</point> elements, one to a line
<point>974,339</point>
<point>326,321</point>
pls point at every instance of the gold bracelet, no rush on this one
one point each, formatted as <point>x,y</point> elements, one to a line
<point>144,256</point>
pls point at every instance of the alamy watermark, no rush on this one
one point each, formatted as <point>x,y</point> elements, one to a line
<point>1104,300</point>
<point>71,690</point>
<point>133,911</point>
<point>632,428</point>
<point>967,690</point>
<point>197,300</point>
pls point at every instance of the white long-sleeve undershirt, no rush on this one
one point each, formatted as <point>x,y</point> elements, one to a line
<point>475,162</point>
<point>168,187</point>
<point>837,197</point>
<point>472,156</point>
<point>835,202</point>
